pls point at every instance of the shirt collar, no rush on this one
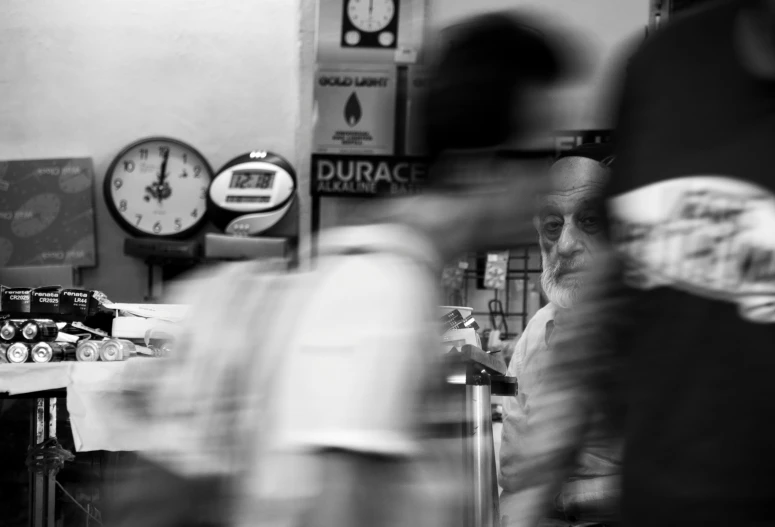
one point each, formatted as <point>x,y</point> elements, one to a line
<point>551,324</point>
<point>548,332</point>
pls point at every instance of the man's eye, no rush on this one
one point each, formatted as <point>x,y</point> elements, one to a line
<point>590,223</point>
<point>552,226</point>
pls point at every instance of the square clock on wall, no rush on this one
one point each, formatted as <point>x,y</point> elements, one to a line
<point>369,24</point>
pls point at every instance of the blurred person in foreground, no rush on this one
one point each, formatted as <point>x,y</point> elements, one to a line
<point>570,225</point>
<point>307,394</point>
<point>684,312</point>
<point>693,220</point>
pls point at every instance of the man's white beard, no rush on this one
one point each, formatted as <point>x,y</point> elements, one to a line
<point>563,296</point>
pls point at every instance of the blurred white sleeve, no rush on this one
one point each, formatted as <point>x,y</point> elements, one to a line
<point>352,375</point>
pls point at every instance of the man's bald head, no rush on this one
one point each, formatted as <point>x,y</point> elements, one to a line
<point>570,220</point>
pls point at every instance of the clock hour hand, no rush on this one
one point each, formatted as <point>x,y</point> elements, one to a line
<point>162,175</point>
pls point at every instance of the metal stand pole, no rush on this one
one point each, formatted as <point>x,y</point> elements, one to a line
<point>42,486</point>
<point>50,481</point>
<point>480,420</point>
<point>155,282</point>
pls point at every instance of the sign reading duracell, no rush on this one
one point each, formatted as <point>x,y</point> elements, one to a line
<point>349,175</point>
<point>355,110</point>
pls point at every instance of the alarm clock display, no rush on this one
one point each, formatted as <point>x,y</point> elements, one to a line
<point>370,24</point>
<point>251,193</point>
<point>157,187</point>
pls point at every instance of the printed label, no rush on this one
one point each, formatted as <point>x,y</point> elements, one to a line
<point>355,110</point>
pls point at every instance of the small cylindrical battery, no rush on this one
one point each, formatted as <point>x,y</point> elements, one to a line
<point>3,349</point>
<point>128,347</point>
<point>88,351</point>
<point>52,352</point>
<point>40,330</point>
<point>162,349</point>
<point>8,330</point>
<point>18,352</point>
<point>113,350</point>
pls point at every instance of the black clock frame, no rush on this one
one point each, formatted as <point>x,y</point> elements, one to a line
<point>127,226</point>
<point>222,217</point>
<point>368,40</point>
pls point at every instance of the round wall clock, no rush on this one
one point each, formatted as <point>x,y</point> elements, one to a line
<point>158,187</point>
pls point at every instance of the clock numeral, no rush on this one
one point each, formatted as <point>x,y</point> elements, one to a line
<point>185,158</point>
<point>118,183</point>
<point>178,224</point>
<point>122,205</point>
<point>195,214</point>
<point>163,151</point>
<point>197,171</point>
<point>139,218</point>
<point>143,153</point>
<point>184,173</point>
<point>157,227</point>
<point>203,195</point>
<point>129,166</point>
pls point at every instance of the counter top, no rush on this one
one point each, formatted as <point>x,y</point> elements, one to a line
<point>92,390</point>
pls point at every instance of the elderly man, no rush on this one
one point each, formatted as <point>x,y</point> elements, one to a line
<point>570,229</point>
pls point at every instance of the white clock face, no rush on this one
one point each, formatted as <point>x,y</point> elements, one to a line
<point>160,187</point>
<point>371,15</point>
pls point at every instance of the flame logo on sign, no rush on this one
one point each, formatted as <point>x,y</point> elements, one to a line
<point>352,110</point>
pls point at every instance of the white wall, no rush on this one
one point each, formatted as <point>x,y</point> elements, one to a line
<point>86,77</point>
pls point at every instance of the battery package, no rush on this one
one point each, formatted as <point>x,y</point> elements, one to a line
<point>16,300</point>
<point>45,300</point>
<point>452,320</point>
<point>496,270</point>
<point>77,303</point>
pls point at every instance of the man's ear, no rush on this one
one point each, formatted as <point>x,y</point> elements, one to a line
<point>537,224</point>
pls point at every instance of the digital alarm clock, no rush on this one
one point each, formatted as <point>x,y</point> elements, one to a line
<point>251,193</point>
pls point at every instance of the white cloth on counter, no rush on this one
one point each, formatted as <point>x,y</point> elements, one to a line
<point>92,388</point>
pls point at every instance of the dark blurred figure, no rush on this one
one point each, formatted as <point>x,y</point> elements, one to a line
<point>307,394</point>
<point>691,316</point>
